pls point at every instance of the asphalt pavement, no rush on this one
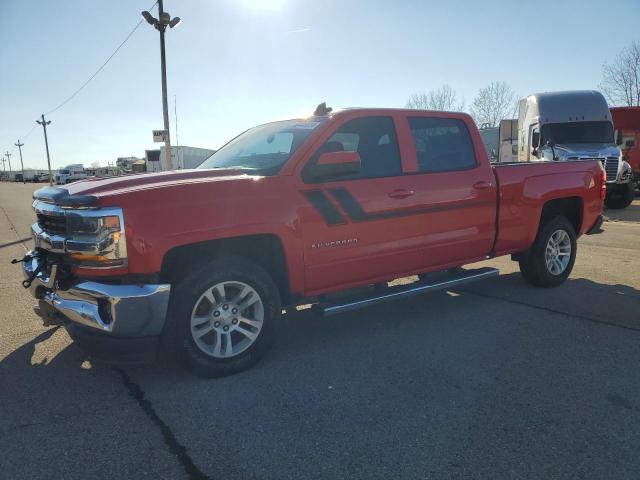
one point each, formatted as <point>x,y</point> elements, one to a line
<point>492,380</point>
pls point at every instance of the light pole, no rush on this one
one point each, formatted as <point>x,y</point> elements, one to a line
<point>46,143</point>
<point>20,145</point>
<point>161,23</point>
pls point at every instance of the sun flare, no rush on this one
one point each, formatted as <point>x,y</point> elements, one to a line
<point>264,5</point>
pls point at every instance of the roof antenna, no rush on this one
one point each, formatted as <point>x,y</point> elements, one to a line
<point>322,110</point>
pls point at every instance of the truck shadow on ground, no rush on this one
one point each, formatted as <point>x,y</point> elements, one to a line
<point>629,214</point>
<point>432,354</point>
<point>306,332</point>
<point>578,299</point>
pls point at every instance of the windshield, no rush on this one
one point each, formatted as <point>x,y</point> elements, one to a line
<point>265,148</point>
<point>578,132</point>
<point>65,172</point>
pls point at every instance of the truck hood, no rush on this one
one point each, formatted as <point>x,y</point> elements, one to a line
<point>102,186</point>
<point>88,193</point>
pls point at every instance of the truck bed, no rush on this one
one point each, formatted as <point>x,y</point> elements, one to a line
<point>524,188</point>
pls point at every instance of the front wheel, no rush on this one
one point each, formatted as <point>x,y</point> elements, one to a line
<point>621,197</point>
<point>550,259</point>
<point>223,317</point>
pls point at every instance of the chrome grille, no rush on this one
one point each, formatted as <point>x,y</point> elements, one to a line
<point>52,223</point>
<point>611,167</point>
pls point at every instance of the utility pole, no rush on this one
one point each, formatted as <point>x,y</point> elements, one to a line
<point>20,145</point>
<point>8,155</point>
<point>46,143</point>
<point>160,24</point>
<point>175,112</point>
<point>165,104</point>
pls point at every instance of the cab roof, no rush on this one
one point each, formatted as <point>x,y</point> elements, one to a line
<point>568,106</point>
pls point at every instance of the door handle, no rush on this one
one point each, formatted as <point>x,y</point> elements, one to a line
<point>481,185</point>
<point>401,193</point>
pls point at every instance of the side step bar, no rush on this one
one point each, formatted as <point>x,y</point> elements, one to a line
<point>403,291</point>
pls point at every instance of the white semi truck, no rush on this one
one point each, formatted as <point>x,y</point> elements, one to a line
<point>70,173</point>
<point>501,142</point>
<point>574,125</point>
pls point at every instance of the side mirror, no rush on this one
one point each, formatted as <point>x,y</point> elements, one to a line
<point>618,137</point>
<point>336,164</point>
<point>535,139</point>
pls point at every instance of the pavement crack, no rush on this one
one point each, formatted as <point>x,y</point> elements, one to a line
<point>15,231</point>
<point>550,310</point>
<point>175,447</point>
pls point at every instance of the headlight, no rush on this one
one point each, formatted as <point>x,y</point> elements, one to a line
<point>626,172</point>
<point>96,238</point>
<point>90,238</point>
<point>77,224</point>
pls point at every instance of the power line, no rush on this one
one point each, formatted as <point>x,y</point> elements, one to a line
<point>30,132</point>
<point>104,64</point>
<point>101,66</point>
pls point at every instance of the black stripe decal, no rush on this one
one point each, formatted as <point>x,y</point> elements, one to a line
<point>355,211</point>
<point>324,207</point>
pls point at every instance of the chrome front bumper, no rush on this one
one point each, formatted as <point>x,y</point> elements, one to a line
<point>119,310</point>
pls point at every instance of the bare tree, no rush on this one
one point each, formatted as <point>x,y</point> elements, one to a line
<point>493,103</point>
<point>95,164</point>
<point>621,79</point>
<point>444,98</point>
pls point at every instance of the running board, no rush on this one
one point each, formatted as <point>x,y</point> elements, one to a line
<point>456,279</point>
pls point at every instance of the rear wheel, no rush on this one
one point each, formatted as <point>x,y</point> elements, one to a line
<point>550,259</point>
<point>223,317</point>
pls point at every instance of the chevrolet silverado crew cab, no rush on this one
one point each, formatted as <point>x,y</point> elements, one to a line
<point>292,212</point>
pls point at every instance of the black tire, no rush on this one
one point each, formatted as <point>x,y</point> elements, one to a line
<point>621,197</point>
<point>533,265</point>
<point>177,335</point>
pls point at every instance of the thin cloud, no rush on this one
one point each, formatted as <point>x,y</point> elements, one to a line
<point>300,30</point>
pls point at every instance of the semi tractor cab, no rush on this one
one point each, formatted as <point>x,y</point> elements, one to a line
<point>574,125</point>
<point>70,173</point>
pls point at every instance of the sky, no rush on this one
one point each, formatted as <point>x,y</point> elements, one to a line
<point>232,64</point>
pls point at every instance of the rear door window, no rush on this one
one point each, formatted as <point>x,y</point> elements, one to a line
<point>442,144</point>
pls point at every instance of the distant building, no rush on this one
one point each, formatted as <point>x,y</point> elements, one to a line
<point>152,159</point>
<point>183,157</point>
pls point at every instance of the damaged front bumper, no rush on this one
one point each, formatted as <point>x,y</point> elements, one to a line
<point>126,311</point>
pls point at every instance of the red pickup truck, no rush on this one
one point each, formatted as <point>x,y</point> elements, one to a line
<point>203,261</point>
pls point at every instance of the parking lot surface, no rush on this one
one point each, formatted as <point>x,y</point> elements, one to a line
<point>492,380</point>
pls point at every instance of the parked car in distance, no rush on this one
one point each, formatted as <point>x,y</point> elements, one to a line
<point>626,121</point>
<point>70,173</point>
<point>574,125</point>
<point>292,212</point>
<point>41,177</point>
